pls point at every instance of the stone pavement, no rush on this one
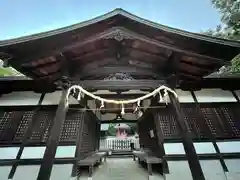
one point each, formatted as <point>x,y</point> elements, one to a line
<point>121,169</point>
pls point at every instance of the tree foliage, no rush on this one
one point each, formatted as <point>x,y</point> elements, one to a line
<point>229,11</point>
<point>230,28</point>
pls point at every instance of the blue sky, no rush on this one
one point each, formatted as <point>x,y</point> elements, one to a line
<point>25,17</point>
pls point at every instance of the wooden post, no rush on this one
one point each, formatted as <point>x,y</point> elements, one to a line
<point>191,154</point>
<point>78,145</point>
<point>53,140</point>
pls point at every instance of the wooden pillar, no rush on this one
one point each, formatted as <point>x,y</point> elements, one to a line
<point>191,154</point>
<point>53,140</point>
<point>78,144</point>
<point>26,136</point>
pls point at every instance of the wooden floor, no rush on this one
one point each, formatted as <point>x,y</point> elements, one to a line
<point>121,169</point>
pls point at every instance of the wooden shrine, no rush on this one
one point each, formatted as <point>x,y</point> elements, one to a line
<point>117,52</point>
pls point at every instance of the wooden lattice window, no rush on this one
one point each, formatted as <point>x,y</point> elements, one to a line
<point>71,126</point>
<point>190,116</point>
<point>231,119</point>
<point>209,118</point>
<point>168,123</point>
<point>9,124</point>
<point>26,118</point>
<point>40,132</point>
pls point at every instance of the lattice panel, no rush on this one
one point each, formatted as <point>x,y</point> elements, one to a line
<point>71,126</point>
<point>9,121</point>
<point>190,116</point>
<point>168,123</point>
<point>26,118</point>
<point>232,120</point>
<point>212,121</point>
<point>43,125</point>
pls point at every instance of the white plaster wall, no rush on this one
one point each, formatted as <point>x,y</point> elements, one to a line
<point>212,170</point>
<point>4,172</point>
<point>54,98</point>
<point>204,148</point>
<point>29,172</point>
<point>8,152</point>
<point>178,170</point>
<point>229,147</point>
<point>61,172</point>
<point>65,151</point>
<point>173,148</point>
<point>233,168</point>
<point>20,98</point>
<point>214,95</point>
<point>184,96</point>
<point>33,152</point>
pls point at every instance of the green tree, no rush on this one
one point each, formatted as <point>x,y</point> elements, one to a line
<point>230,17</point>
<point>230,28</point>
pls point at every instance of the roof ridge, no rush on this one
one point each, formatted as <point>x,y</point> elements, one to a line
<point>122,12</point>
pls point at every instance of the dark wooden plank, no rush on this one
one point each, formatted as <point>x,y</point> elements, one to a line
<point>191,154</point>
<point>53,140</point>
<point>27,134</point>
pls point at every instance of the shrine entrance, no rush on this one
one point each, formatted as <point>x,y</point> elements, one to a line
<point>116,66</point>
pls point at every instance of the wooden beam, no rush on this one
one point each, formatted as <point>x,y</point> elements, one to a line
<point>53,140</point>
<point>120,85</point>
<point>107,70</point>
<point>26,136</point>
<point>191,154</point>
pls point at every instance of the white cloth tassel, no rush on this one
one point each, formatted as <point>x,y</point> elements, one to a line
<point>166,96</point>
<point>160,97</point>
<point>102,104</point>
<point>123,110</point>
<point>79,96</point>
<point>138,104</point>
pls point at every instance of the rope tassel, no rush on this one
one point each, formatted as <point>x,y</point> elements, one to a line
<point>123,110</point>
<point>79,96</point>
<point>84,92</point>
<point>160,97</point>
<point>166,96</point>
<point>102,104</point>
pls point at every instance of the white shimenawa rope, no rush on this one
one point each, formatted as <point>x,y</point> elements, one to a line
<point>130,101</point>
